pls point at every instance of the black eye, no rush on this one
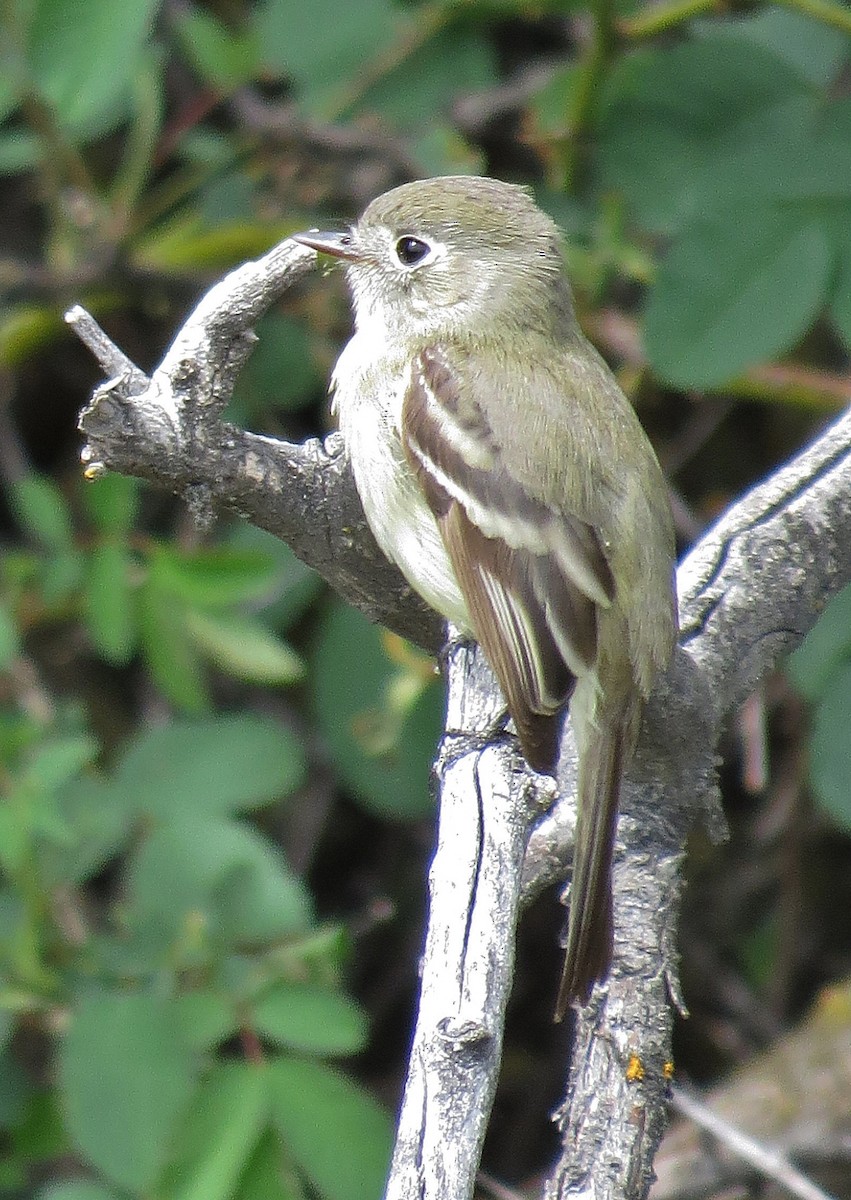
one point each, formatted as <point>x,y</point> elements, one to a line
<point>411,250</point>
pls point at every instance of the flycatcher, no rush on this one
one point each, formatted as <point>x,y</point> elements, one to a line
<point>503,470</point>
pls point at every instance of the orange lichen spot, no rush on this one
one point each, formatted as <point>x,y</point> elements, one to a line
<point>634,1069</point>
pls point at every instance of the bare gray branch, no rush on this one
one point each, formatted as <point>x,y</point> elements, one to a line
<point>749,591</point>
<point>168,430</point>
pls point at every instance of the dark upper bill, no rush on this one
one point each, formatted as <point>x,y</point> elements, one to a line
<point>337,243</point>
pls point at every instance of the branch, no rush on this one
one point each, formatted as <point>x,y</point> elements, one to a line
<point>168,430</point>
<point>764,1159</point>
<point>487,804</point>
<point>749,591</point>
<point>789,1100</point>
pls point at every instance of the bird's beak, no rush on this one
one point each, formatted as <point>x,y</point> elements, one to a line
<point>339,244</point>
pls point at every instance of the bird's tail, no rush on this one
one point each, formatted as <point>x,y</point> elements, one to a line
<point>603,749</point>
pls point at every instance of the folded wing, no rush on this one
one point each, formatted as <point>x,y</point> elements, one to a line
<point>533,579</point>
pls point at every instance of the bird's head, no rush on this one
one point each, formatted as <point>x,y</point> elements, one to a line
<point>452,256</point>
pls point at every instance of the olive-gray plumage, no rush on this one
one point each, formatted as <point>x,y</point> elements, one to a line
<point>504,471</point>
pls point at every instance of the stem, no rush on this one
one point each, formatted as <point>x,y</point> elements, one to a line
<point>663,17</point>
<point>765,1159</point>
<point>252,1047</point>
<point>140,148</point>
<point>583,109</point>
<point>64,156</point>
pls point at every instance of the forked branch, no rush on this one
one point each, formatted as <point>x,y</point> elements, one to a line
<point>749,591</point>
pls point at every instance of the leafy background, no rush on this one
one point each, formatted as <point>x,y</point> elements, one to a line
<point>216,821</point>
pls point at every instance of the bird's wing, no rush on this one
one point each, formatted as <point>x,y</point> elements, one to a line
<point>533,578</point>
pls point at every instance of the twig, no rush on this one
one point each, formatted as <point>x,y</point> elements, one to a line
<point>499,1191</point>
<point>659,18</point>
<point>770,1163</point>
<point>168,430</point>
<point>113,362</point>
<point>787,383</point>
<point>594,62</point>
<point>285,122</point>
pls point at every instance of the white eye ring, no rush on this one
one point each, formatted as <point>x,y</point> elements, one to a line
<point>412,251</point>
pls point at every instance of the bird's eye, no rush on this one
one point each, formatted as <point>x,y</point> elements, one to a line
<point>411,250</point>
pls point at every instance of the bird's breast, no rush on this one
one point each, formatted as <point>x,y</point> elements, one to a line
<point>368,393</point>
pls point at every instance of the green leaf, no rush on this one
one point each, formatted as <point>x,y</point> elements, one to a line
<point>812,48</point>
<point>207,1018</point>
<point>224,1126</point>
<point>19,151</point>
<point>215,578</point>
<point>222,765</point>
<point>112,503</point>
<point>336,1133</point>
<point>59,760</point>
<point>184,244</point>
<point>710,124</point>
<point>228,197</point>
<point>25,329</point>
<point>131,175</point>
<point>14,842</point>
<point>16,1090</point>
<point>326,68</point>
<point>311,1019</point>
<point>39,1139</point>
<point>841,305</point>
<point>43,512</point>
<point>551,106</point>
<point>10,79</point>
<point>282,372</point>
<point>243,646</point>
<point>98,828</point>
<point>270,1175</point>
<point>62,576</point>
<point>735,291</point>
<point>824,650</point>
<point>7,1028</point>
<point>821,171</point>
<point>126,1076</point>
<point>451,63</point>
<point>315,956</point>
<point>224,59</point>
<point>205,878</point>
<point>10,642</point>
<point>77,1189</point>
<point>293,585</point>
<point>440,150</point>
<point>169,650</point>
<point>839,231</point>
<point>830,748</point>
<point>759,949</point>
<point>108,598</point>
<point>208,148</point>
<point>84,56</point>
<point>381,722</point>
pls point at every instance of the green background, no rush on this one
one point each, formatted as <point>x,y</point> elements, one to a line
<point>216,817</point>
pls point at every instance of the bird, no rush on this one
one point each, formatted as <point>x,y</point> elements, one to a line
<point>505,473</point>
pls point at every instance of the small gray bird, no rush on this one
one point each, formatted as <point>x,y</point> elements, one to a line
<point>503,470</point>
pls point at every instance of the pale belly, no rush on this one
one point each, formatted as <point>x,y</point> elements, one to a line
<point>394,506</point>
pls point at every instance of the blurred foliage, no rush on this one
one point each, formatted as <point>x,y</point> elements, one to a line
<point>208,762</point>
<point>821,670</point>
<point>206,940</point>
